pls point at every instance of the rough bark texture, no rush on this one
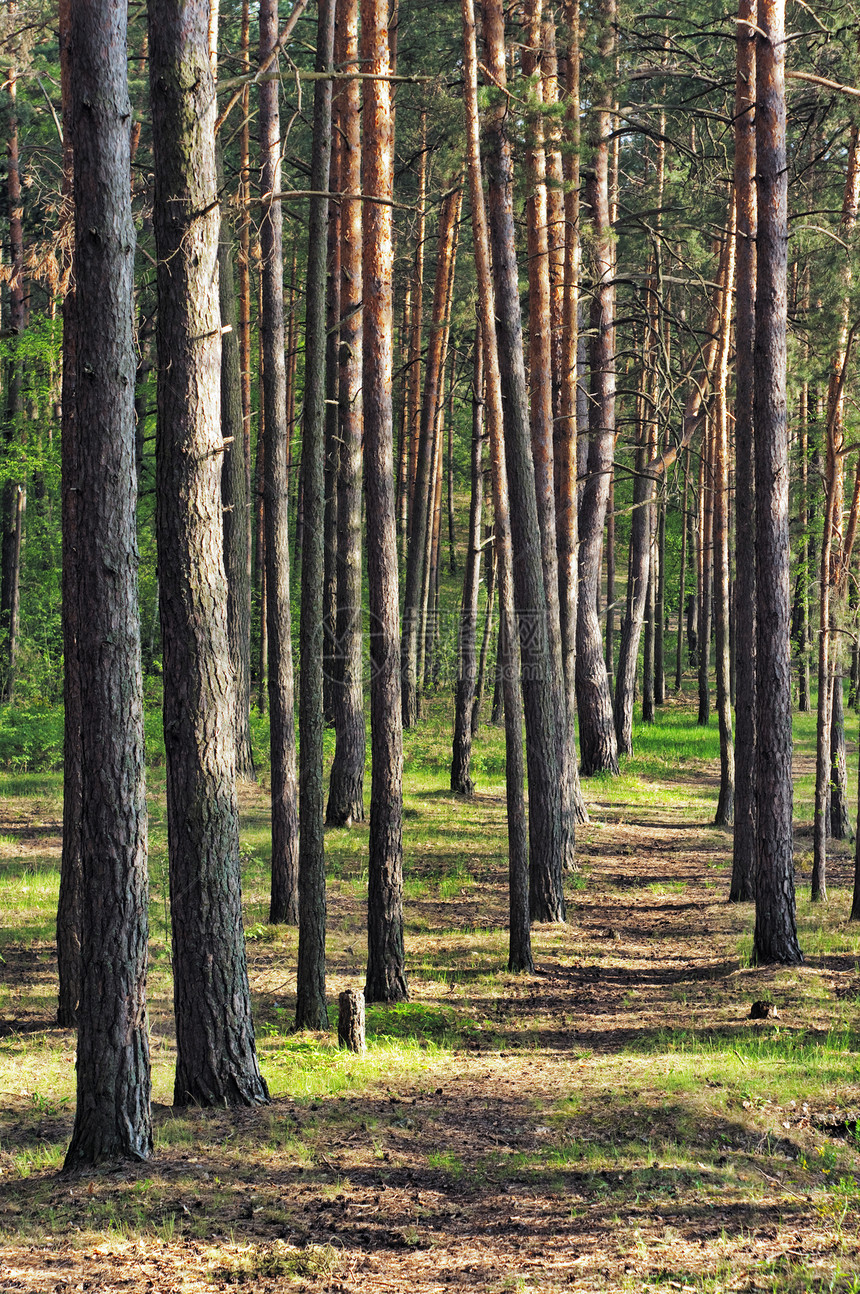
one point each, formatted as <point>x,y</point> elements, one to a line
<point>597,740</point>
<point>69,906</point>
<point>216,1054</point>
<point>112,1116</point>
<point>744,843</point>
<point>386,965</point>
<point>519,954</point>
<point>311,1011</point>
<point>545,720</point>
<point>285,825</point>
<point>541,414</point>
<point>350,1021</point>
<point>346,785</point>
<point>775,938</point>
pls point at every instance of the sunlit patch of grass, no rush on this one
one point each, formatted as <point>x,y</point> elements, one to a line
<point>309,1067</point>
<point>279,1261</point>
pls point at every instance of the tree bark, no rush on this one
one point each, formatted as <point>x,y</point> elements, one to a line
<point>543,704</point>
<point>461,756</point>
<point>285,826</point>
<point>386,965</point>
<point>311,1010</point>
<point>726,804</point>
<point>598,744</point>
<point>216,1054</point>
<point>346,784</point>
<point>237,512</point>
<point>775,938</point>
<point>69,907</point>
<point>519,952</point>
<point>417,555</point>
<point>744,841</point>
<point>112,1116</point>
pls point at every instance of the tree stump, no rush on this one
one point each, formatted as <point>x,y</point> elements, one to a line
<point>350,1020</point>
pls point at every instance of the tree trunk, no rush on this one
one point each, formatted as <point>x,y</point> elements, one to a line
<point>216,1054</point>
<point>236,507</point>
<point>706,583</point>
<point>840,823</point>
<point>544,704</point>
<point>112,1116</point>
<point>14,498</point>
<point>69,908</point>
<point>461,757</point>
<point>542,420</point>
<point>520,954</point>
<point>417,556</point>
<point>720,477</point>
<point>485,640</point>
<point>332,410</point>
<point>386,965</point>
<point>284,905</point>
<point>775,938</point>
<point>598,744</point>
<point>311,1011</point>
<point>744,840</point>
<point>346,784</point>
<point>682,577</point>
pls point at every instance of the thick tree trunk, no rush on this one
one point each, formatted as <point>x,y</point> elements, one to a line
<point>332,377</point>
<point>216,1054</point>
<point>112,1116</point>
<point>520,954</point>
<point>775,938</point>
<point>346,785</point>
<point>744,841</point>
<point>542,421</point>
<point>544,703</point>
<point>311,1011</point>
<point>598,744</point>
<point>285,826</point>
<point>386,965</point>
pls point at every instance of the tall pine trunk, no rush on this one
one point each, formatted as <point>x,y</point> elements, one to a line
<point>386,963</point>
<point>285,825</point>
<point>216,1053</point>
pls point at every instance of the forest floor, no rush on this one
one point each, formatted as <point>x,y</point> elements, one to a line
<point>616,1121</point>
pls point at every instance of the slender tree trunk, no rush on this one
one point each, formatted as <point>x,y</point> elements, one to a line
<point>413,388</point>
<point>706,586</point>
<point>236,507</point>
<point>332,410</point>
<point>284,905</point>
<point>682,577</point>
<point>346,785</point>
<point>14,498</point>
<point>311,1011</point>
<point>461,757</point>
<point>550,831</point>
<point>112,1116</point>
<point>418,557</point>
<point>520,954</point>
<point>775,938</point>
<point>598,744</point>
<point>260,524</point>
<point>744,841</point>
<point>485,641</point>
<point>840,823</point>
<point>726,803</point>
<point>216,1053</point>
<point>69,907</point>
<point>386,966</point>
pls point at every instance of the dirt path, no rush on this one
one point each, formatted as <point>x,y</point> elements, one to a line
<point>580,1134</point>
